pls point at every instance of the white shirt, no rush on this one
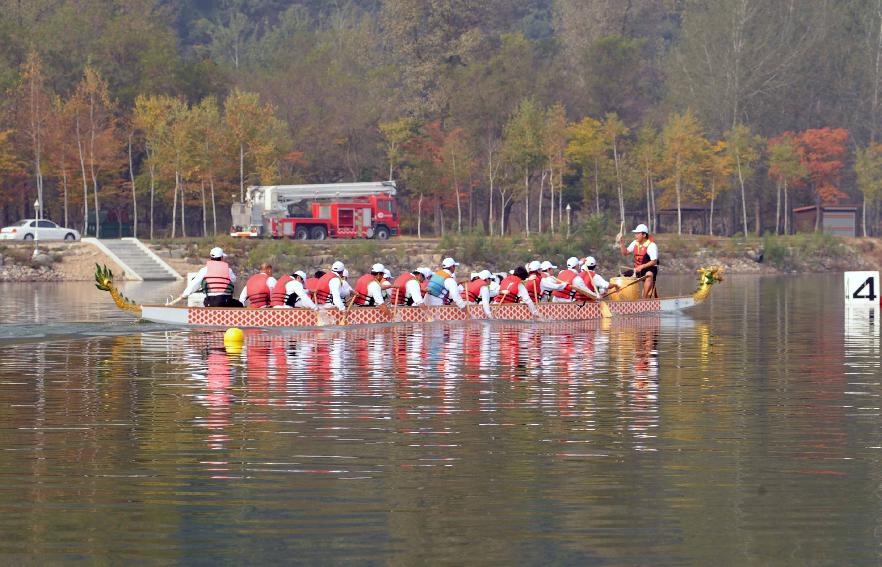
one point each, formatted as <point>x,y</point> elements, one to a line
<point>413,291</point>
<point>336,287</point>
<point>196,282</point>
<point>375,292</point>
<point>485,299</point>
<point>270,283</point>
<point>525,298</point>
<point>600,284</point>
<point>651,249</point>
<point>578,283</point>
<point>550,284</point>
<point>295,288</point>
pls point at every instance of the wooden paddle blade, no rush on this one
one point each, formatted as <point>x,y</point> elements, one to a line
<point>605,311</point>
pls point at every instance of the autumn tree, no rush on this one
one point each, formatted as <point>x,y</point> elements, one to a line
<point>822,151</point>
<point>744,148</point>
<point>719,173</point>
<point>151,117</point>
<point>254,133</point>
<point>614,132</point>
<point>868,168</point>
<point>554,146</point>
<point>35,118</point>
<point>586,147</point>
<point>786,168</point>
<point>684,152</point>
<point>646,157</point>
<point>523,146</point>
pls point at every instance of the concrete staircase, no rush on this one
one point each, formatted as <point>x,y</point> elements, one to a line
<point>138,261</point>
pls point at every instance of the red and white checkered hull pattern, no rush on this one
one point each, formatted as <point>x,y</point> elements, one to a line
<point>288,318</point>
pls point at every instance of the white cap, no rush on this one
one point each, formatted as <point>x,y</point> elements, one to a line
<point>337,266</point>
<point>641,228</point>
<point>590,262</point>
<point>300,273</point>
<point>217,252</point>
<point>426,272</point>
<point>485,275</point>
<point>387,274</point>
<point>572,262</point>
<point>378,269</point>
<point>449,263</point>
<point>345,273</point>
<point>534,266</point>
<point>474,275</point>
<point>546,265</point>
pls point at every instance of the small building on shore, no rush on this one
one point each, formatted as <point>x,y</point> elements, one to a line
<point>694,219</point>
<point>840,220</point>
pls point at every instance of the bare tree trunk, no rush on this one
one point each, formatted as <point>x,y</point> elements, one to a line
<point>64,186</point>
<point>527,201</point>
<point>204,212</point>
<point>502,213</point>
<point>183,217</point>
<point>560,200</point>
<point>175,208</point>
<point>541,194</point>
<point>621,190</point>
<point>420,217</point>
<point>677,186</point>
<point>152,170</point>
<point>864,216</point>
<point>654,222</point>
<point>134,196</point>
<point>213,207</point>
<point>92,163</point>
<point>597,185</point>
<point>778,206</point>
<point>649,202</point>
<point>458,203</point>
<point>710,223</point>
<point>83,174</point>
<point>743,198</point>
<point>551,190</point>
<point>786,210</point>
<point>241,173</point>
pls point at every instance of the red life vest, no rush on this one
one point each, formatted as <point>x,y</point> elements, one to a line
<point>588,277</point>
<point>568,292</point>
<point>217,278</point>
<point>641,252</point>
<point>361,290</point>
<point>508,290</point>
<point>323,288</point>
<point>534,289</point>
<point>399,289</point>
<point>279,295</point>
<point>257,291</point>
<point>473,290</point>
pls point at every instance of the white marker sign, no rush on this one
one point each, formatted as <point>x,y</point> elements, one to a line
<point>862,287</point>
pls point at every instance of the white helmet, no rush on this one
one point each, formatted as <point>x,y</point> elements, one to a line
<point>448,263</point>
<point>534,266</point>
<point>217,253</point>
<point>337,267</point>
<point>572,262</point>
<point>590,262</point>
<point>546,265</point>
<point>641,228</point>
<point>378,269</point>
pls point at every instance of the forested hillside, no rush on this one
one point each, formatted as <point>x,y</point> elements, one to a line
<point>493,115</point>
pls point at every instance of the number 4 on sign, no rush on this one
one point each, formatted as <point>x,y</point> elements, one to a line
<point>861,286</point>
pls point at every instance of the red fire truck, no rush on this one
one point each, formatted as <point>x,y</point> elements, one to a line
<point>301,212</point>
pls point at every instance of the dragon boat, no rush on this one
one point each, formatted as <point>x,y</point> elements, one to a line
<point>288,318</point>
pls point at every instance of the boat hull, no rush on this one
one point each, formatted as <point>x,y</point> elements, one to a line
<point>294,318</point>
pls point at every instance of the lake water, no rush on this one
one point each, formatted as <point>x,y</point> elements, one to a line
<point>745,431</point>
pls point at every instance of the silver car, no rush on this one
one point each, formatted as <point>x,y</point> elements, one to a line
<point>29,229</point>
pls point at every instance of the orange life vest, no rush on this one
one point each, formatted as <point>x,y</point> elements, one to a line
<point>217,278</point>
<point>279,294</point>
<point>362,297</point>
<point>399,289</point>
<point>508,290</point>
<point>534,289</point>
<point>257,291</point>
<point>473,290</point>
<point>323,288</point>
<point>568,292</point>
<point>641,252</point>
<point>588,277</point>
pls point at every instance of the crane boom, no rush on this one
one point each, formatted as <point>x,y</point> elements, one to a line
<point>276,198</point>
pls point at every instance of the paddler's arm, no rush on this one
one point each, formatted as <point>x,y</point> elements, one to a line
<point>413,291</point>
<point>335,285</point>
<point>193,285</point>
<point>297,288</point>
<point>244,295</point>
<point>624,249</point>
<point>525,298</point>
<point>453,292</point>
<point>485,301</point>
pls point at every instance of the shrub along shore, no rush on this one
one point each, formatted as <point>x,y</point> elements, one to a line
<point>802,253</point>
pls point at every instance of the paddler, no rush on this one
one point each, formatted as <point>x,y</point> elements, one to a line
<point>258,289</point>
<point>294,294</point>
<point>478,290</point>
<point>409,288</point>
<point>368,290</point>
<point>216,280</point>
<point>600,285</point>
<point>645,257</point>
<point>574,282</point>
<point>329,286</point>
<point>539,284</point>
<point>442,288</point>
<point>512,290</point>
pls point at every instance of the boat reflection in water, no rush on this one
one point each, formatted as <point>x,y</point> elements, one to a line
<point>414,373</point>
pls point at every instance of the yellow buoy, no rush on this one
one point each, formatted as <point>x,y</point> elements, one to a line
<point>234,337</point>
